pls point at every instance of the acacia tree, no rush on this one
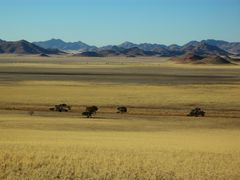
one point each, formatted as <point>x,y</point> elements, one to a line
<point>90,110</point>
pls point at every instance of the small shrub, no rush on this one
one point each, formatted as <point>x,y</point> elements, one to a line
<point>31,113</point>
<point>122,109</point>
<point>61,108</point>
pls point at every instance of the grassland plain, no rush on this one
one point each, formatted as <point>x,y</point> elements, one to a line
<point>155,140</point>
<point>73,148</point>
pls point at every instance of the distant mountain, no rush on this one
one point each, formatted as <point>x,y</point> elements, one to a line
<point>200,48</point>
<point>116,51</point>
<point>131,49</point>
<point>144,49</point>
<point>111,47</point>
<point>203,48</point>
<point>135,51</point>
<point>127,45</point>
<point>143,46</point>
<point>191,43</point>
<point>151,47</point>
<point>24,47</point>
<point>232,47</point>
<point>110,52</point>
<point>1,41</point>
<point>174,47</point>
<point>65,46</point>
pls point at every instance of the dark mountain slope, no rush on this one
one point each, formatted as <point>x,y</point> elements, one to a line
<point>196,59</point>
<point>24,47</point>
<point>232,47</point>
<point>202,48</point>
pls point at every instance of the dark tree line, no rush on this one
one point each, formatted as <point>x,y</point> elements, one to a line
<point>92,110</point>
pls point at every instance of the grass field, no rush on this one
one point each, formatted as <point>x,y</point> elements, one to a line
<point>155,140</point>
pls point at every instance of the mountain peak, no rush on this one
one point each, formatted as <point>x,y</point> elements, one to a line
<point>203,48</point>
<point>127,42</point>
<point>127,45</point>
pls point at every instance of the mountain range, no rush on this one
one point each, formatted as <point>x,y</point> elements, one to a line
<point>201,48</point>
<point>163,50</point>
<point>57,46</point>
<point>117,51</point>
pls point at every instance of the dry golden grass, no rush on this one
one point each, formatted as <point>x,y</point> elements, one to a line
<point>155,140</point>
<point>76,93</point>
<point>93,152</point>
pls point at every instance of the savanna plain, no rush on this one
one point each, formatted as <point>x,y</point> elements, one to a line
<point>154,140</point>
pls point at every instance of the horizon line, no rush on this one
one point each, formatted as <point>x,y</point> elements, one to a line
<point>117,44</point>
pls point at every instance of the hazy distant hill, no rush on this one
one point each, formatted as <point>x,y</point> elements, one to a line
<point>143,46</point>
<point>191,58</point>
<point>205,46</point>
<point>24,47</point>
<point>1,41</point>
<point>66,46</point>
<point>144,49</point>
<point>116,51</point>
<point>135,51</point>
<point>127,45</point>
<point>198,48</point>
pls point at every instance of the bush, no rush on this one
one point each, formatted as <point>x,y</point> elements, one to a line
<point>122,109</point>
<point>61,108</point>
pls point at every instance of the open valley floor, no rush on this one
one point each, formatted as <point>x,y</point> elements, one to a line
<point>155,139</point>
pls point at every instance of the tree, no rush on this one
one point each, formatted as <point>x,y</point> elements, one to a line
<point>90,110</point>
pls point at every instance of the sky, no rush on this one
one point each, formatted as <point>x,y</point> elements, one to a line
<point>102,22</point>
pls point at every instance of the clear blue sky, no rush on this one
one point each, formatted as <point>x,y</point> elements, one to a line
<point>102,22</point>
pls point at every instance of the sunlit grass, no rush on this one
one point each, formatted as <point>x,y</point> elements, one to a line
<point>155,140</point>
<point>94,152</point>
<point>76,93</point>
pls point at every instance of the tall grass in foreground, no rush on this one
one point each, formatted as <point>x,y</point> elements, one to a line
<point>115,155</point>
<point>76,162</point>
